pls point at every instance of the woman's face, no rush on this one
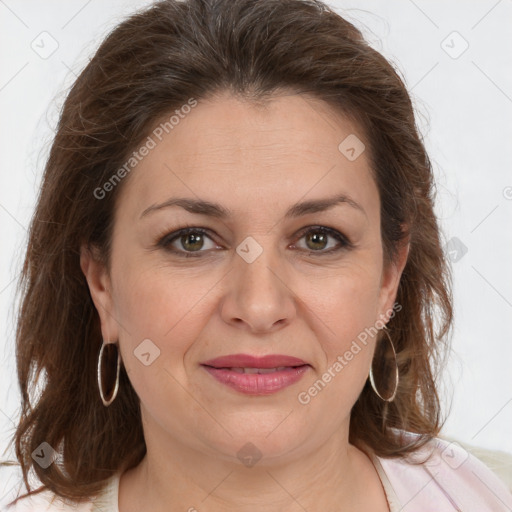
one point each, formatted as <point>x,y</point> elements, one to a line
<point>261,279</point>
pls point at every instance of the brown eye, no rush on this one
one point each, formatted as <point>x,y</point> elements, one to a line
<point>318,240</point>
<point>188,241</point>
<point>192,241</point>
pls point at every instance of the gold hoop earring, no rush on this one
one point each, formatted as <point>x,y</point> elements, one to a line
<point>108,401</point>
<point>372,380</point>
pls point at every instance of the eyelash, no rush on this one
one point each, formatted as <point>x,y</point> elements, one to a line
<point>165,241</point>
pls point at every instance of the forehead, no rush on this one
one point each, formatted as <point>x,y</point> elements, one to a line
<point>230,148</point>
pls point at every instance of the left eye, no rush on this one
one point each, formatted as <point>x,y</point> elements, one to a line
<point>317,240</point>
<point>192,241</point>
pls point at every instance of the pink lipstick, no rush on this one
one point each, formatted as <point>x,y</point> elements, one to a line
<point>256,375</point>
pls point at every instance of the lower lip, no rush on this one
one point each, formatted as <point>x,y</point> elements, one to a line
<point>258,383</point>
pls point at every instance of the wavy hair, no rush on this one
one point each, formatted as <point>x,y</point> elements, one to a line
<point>149,65</point>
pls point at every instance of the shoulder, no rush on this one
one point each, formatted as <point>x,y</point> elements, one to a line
<point>498,461</point>
<point>445,473</point>
<point>46,501</point>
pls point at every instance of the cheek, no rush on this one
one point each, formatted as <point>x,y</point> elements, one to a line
<point>347,309</point>
<point>345,302</point>
<point>152,297</point>
<point>156,333</point>
<point>347,305</point>
<point>163,306</point>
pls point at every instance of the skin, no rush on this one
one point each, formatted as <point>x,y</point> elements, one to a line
<point>257,162</point>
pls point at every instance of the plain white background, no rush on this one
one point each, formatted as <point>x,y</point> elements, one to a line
<point>455,59</point>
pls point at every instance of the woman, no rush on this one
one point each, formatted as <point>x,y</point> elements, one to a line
<point>232,275</point>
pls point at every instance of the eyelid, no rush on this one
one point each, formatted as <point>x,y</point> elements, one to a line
<point>164,241</point>
<point>334,233</point>
<point>324,228</point>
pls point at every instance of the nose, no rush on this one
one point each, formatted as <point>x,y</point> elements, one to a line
<point>259,296</point>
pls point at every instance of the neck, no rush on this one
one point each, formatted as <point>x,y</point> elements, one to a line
<point>335,475</point>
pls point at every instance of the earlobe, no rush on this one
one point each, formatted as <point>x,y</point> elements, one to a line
<point>98,281</point>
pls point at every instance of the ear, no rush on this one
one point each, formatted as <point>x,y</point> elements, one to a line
<point>101,291</point>
<point>391,279</point>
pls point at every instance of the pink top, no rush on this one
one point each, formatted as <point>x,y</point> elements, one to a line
<point>450,480</point>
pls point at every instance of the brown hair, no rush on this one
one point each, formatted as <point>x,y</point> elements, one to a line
<point>149,65</point>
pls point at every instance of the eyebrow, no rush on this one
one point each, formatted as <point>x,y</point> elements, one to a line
<point>217,211</point>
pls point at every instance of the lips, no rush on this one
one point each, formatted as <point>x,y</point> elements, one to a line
<point>256,375</point>
<point>247,361</point>
<point>257,370</point>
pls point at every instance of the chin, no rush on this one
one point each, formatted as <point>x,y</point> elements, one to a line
<point>252,446</point>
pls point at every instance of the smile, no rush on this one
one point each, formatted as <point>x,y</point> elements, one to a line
<point>258,381</point>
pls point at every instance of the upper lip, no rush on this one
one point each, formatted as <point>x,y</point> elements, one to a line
<point>248,361</point>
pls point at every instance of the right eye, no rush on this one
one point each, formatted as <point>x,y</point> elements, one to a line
<point>191,240</point>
